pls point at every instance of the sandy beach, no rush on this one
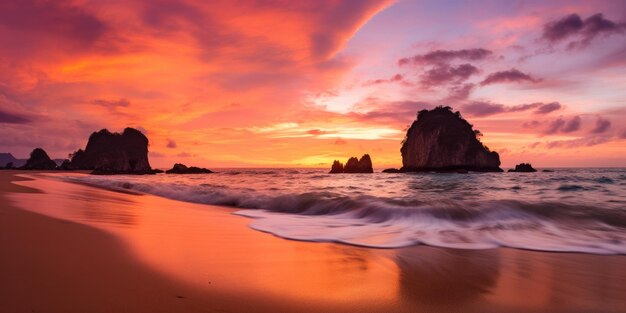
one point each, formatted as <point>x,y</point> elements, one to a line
<point>72,248</point>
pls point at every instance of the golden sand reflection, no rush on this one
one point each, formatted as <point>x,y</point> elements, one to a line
<point>208,247</point>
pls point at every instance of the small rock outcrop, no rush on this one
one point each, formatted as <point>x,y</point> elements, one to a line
<point>523,168</point>
<point>39,160</point>
<point>354,165</point>
<point>392,170</point>
<point>441,140</point>
<point>179,168</point>
<point>337,167</point>
<point>114,153</point>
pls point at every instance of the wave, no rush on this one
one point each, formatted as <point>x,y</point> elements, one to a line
<point>366,220</point>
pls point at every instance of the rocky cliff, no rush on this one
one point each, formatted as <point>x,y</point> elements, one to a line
<point>354,165</point>
<point>441,140</point>
<point>39,160</point>
<point>114,153</point>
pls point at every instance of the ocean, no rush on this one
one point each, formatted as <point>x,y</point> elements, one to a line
<point>568,210</point>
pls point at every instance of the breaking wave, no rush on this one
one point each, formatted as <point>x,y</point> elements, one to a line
<point>354,215</point>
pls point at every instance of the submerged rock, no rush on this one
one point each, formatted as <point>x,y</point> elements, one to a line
<point>354,165</point>
<point>441,140</point>
<point>524,168</point>
<point>179,168</point>
<point>114,153</point>
<point>39,160</point>
<point>392,170</point>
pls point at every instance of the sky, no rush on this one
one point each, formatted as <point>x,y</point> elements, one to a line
<point>302,83</point>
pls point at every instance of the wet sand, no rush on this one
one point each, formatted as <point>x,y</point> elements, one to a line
<point>73,248</point>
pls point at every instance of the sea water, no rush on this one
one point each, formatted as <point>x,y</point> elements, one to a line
<point>575,210</point>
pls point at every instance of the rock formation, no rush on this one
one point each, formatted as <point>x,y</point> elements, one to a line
<point>354,165</point>
<point>179,168</point>
<point>524,168</point>
<point>337,167</point>
<point>392,170</point>
<point>114,153</point>
<point>441,140</point>
<point>66,166</point>
<point>39,160</point>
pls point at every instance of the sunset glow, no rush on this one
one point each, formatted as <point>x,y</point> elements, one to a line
<point>301,83</point>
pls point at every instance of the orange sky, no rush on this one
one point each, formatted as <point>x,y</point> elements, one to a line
<point>284,83</point>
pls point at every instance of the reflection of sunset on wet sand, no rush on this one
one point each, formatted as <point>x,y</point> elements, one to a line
<point>215,253</point>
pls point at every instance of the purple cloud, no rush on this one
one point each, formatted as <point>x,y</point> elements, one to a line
<point>602,126</point>
<point>587,30</point>
<point>460,92</point>
<point>14,118</point>
<point>545,108</point>
<point>481,108</point>
<point>572,125</point>
<point>563,126</point>
<point>444,74</point>
<point>445,56</point>
<point>171,144</point>
<point>509,76</point>
<point>581,142</point>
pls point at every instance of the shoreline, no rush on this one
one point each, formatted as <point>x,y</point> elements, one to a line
<point>134,247</point>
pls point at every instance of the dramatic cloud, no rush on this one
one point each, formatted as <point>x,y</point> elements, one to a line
<point>602,126</point>
<point>585,31</point>
<point>13,118</point>
<point>446,74</point>
<point>509,76</point>
<point>445,56</point>
<point>47,24</point>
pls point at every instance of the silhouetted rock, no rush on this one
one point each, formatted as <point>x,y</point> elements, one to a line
<point>65,166</point>
<point>114,153</point>
<point>179,168</point>
<point>39,160</point>
<point>337,167</point>
<point>441,140</point>
<point>354,165</point>
<point>524,168</point>
<point>392,170</point>
<point>9,166</point>
<point>548,171</point>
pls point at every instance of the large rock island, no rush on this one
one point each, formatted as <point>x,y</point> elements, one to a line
<point>441,140</point>
<point>114,153</point>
